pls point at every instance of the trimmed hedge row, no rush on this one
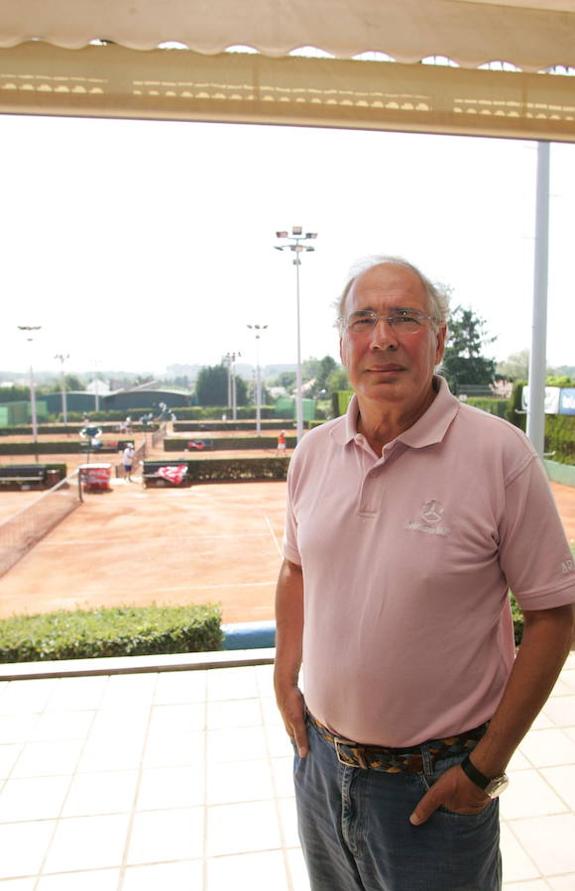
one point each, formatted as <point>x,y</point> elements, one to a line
<point>229,444</point>
<point>499,407</point>
<point>193,426</point>
<point>120,631</point>
<point>238,469</point>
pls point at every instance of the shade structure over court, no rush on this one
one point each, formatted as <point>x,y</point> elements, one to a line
<point>118,58</point>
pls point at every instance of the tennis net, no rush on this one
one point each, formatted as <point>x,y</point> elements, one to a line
<point>22,531</point>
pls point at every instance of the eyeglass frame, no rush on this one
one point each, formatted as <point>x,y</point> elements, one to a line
<point>343,323</point>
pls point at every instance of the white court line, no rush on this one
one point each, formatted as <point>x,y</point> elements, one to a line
<point>274,537</point>
<point>216,587</point>
<point>218,536</point>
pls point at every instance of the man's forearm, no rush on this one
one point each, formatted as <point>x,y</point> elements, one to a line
<point>546,642</point>
<point>289,623</point>
<point>289,633</point>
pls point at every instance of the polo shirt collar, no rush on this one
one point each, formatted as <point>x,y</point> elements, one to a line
<point>428,430</point>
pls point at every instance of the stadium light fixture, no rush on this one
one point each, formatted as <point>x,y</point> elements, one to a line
<point>257,330</point>
<point>29,331</point>
<point>297,243</point>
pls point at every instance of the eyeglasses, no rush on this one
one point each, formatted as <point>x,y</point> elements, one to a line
<point>403,321</point>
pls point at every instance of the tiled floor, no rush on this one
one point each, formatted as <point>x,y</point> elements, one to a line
<point>182,780</point>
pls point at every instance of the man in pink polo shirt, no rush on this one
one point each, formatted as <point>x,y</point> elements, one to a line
<point>408,521</point>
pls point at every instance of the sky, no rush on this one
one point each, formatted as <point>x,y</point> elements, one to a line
<point>137,245</point>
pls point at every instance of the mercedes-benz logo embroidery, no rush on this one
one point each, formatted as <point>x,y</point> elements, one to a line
<point>431,512</point>
<point>429,520</point>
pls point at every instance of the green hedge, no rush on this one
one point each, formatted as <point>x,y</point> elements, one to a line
<point>230,443</point>
<point>195,426</point>
<point>560,438</point>
<point>499,407</point>
<point>121,631</point>
<point>238,469</point>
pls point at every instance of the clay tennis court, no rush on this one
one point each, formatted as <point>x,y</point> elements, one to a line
<point>212,542</point>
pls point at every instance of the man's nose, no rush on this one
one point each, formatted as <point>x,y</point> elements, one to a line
<point>383,334</point>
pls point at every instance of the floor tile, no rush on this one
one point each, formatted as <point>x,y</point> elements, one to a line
<point>62,725</point>
<point>234,713</point>
<point>183,876</point>
<point>37,798</point>
<point>18,885</point>
<point>171,787</point>
<point>288,822</point>
<point>549,841</point>
<point>180,718</point>
<point>562,883</point>
<point>297,870</point>
<point>133,688</point>
<point>17,728</point>
<point>232,683</point>
<point>23,847</point>
<point>78,693</point>
<point>164,749</point>
<point>278,741</point>
<point>167,835</point>
<point>238,781</point>
<point>245,744</point>
<point>9,754</point>
<point>545,748</point>
<point>102,792</point>
<point>107,754</point>
<point>518,762</point>
<point>529,795</point>
<point>535,885</point>
<point>561,711</point>
<point>256,872</point>
<point>282,770</point>
<point>82,843</point>
<point>27,696</point>
<point>517,865</point>
<point>562,779</point>
<point>97,880</point>
<point>180,686</point>
<point>239,828</point>
<point>567,679</point>
<point>48,758</point>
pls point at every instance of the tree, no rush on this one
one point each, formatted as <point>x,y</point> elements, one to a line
<point>338,380</point>
<point>515,367</point>
<point>212,386</point>
<point>319,371</point>
<point>463,362</point>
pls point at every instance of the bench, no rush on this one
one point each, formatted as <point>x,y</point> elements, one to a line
<point>165,473</point>
<point>24,475</point>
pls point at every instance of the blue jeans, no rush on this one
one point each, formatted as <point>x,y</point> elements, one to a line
<point>356,835</point>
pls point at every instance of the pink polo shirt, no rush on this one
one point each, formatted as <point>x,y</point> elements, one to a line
<point>407,560</point>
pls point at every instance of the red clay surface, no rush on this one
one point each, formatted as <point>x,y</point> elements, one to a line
<point>211,542</point>
<point>207,543</point>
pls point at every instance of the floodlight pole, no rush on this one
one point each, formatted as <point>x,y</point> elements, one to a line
<point>230,360</point>
<point>297,242</point>
<point>257,329</point>
<point>537,363</point>
<point>29,329</point>
<point>62,357</point>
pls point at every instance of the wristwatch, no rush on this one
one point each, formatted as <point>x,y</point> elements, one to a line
<point>492,787</point>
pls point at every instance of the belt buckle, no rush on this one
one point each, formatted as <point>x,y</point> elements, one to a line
<point>356,752</point>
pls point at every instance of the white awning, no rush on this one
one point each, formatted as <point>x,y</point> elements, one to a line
<point>107,58</point>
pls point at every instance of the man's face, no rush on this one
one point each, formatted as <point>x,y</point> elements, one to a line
<point>383,365</point>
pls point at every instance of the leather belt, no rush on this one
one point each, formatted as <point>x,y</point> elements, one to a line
<point>393,760</point>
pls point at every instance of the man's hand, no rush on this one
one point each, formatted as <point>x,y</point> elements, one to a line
<point>291,705</point>
<point>455,791</point>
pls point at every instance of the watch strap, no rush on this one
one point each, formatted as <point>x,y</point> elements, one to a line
<point>474,775</point>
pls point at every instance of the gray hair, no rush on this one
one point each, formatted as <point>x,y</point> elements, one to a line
<point>437,295</point>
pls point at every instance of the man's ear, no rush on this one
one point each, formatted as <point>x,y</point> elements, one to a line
<point>441,341</point>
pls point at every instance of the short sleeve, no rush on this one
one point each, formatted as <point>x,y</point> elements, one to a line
<point>533,549</point>
<point>290,548</point>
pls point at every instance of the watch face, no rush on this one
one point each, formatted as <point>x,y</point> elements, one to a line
<point>496,786</point>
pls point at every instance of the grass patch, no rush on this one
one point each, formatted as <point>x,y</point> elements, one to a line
<point>120,631</point>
